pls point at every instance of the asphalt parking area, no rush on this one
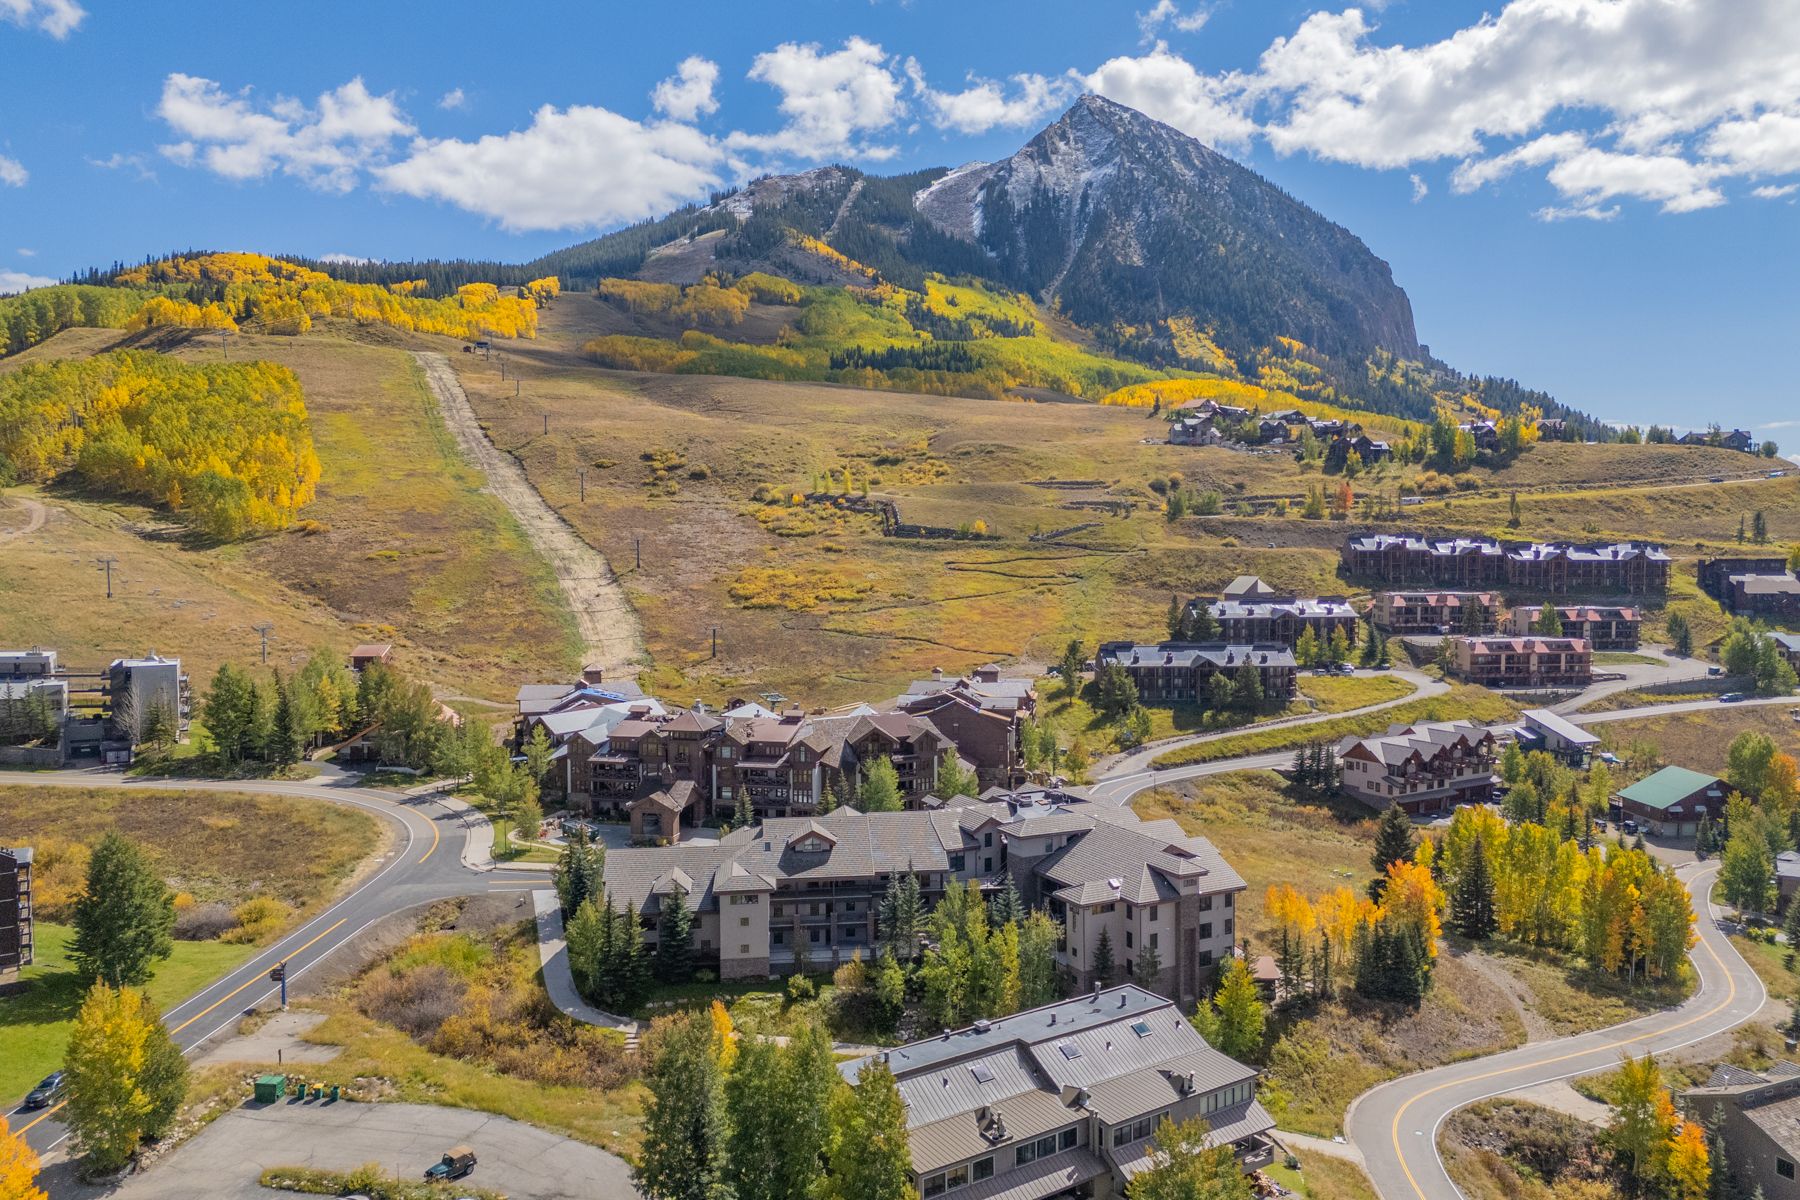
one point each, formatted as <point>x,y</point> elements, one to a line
<point>230,1155</point>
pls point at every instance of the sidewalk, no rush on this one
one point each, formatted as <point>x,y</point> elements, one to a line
<point>553,954</point>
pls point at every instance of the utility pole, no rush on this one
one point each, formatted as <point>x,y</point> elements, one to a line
<point>515,387</point>
<point>265,629</point>
<point>546,422</point>
<point>107,564</point>
<point>715,641</point>
<point>637,543</point>
<point>583,476</point>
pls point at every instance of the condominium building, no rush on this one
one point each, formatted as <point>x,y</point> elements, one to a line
<point>97,713</point>
<point>1402,613</point>
<point>1601,626</point>
<point>1422,768</point>
<point>808,888</point>
<point>15,913</point>
<point>1465,562</point>
<point>1757,1118</point>
<point>1752,587</point>
<point>1522,661</point>
<point>1181,672</point>
<point>1251,612</point>
<point>1064,1101</point>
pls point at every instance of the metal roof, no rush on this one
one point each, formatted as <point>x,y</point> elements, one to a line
<point>1045,1177</point>
<point>1563,728</point>
<point>1669,786</point>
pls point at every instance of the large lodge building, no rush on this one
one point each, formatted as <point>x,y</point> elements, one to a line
<point>1475,563</point>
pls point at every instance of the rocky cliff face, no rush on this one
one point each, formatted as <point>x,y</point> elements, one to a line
<point>1125,219</point>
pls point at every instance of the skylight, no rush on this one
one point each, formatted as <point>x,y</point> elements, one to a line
<point>1141,1028</point>
<point>982,1072</point>
<point>1069,1050</point>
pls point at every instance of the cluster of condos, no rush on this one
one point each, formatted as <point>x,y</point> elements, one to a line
<point>51,714</point>
<point>1752,587</point>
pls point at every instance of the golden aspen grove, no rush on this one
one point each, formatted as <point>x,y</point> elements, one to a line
<point>226,446</point>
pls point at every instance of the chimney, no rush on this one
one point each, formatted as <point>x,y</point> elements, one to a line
<point>937,672</point>
<point>1123,997</point>
<point>593,674</point>
<point>1053,1016</point>
<point>1096,989</point>
<point>946,1035</point>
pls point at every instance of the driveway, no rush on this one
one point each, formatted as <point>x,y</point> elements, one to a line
<point>230,1155</point>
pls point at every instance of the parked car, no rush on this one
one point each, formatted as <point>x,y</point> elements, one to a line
<point>1628,826</point>
<point>1731,697</point>
<point>1345,669</point>
<point>48,1092</point>
<point>1718,479</point>
<point>1715,670</point>
<point>457,1162</point>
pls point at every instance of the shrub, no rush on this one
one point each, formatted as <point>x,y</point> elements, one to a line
<point>257,918</point>
<point>418,1001</point>
<point>800,988</point>
<point>203,922</point>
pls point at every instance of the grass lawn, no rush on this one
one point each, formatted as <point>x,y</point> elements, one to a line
<point>215,846</point>
<point>1322,1177</point>
<point>1341,693</point>
<point>507,850</point>
<point>1770,963</point>
<point>1569,997</point>
<point>35,1024</point>
<point>1698,740</point>
<point>1463,702</point>
<point>1268,836</point>
<point>1619,658</point>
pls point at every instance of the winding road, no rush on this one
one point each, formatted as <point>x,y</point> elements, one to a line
<point>424,864</point>
<point>438,854</point>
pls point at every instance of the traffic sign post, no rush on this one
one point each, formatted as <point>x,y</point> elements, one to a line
<point>278,974</point>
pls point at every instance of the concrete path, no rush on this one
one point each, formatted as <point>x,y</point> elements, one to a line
<point>228,1157</point>
<point>610,633</point>
<point>1669,668</point>
<point>1395,1125</point>
<point>280,1039</point>
<point>1306,1143</point>
<point>559,981</point>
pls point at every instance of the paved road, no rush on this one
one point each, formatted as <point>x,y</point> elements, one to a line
<point>424,865</point>
<point>1395,1126</point>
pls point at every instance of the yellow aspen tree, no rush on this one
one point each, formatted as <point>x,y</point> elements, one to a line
<point>18,1167</point>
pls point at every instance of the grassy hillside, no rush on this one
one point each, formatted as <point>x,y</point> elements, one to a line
<point>400,545</point>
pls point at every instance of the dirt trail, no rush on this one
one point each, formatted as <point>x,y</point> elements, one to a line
<point>609,628</point>
<point>34,517</point>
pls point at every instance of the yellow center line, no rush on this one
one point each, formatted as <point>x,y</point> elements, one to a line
<point>1730,995</point>
<point>255,979</point>
<point>434,841</point>
<point>40,1118</point>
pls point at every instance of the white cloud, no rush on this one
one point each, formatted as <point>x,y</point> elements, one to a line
<point>1772,192</point>
<point>1576,212</point>
<point>688,94</point>
<point>119,162</point>
<point>58,18</point>
<point>1167,13</point>
<point>344,258</point>
<point>453,99</point>
<point>1166,86</point>
<point>571,168</point>
<point>984,104</point>
<point>349,129</point>
<point>830,100</point>
<point>18,281</point>
<point>13,172</point>
<point>26,252</point>
<point>1420,189</point>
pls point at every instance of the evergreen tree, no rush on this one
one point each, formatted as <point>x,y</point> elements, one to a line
<point>1247,689</point>
<point>1201,625</point>
<point>1007,908</point>
<point>125,919</point>
<point>1394,842</point>
<point>684,1149</point>
<point>1759,528</point>
<point>1513,514</point>
<point>1147,970</point>
<point>1175,619</point>
<point>1472,901</point>
<point>1548,621</point>
<point>1681,637</point>
<point>229,712</point>
<point>1073,658</point>
<point>674,939</point>
<point>585,937</point>
<point>574,875</point>
<point>637,974</point>
<point>1704,833</point>
<point>744,816</point>
<point>540,752</point>
<point>1790,930</point>
<point>880,790</point>
<point>1218,692</point>
<point>283,747</point>
<point>1105,970</point>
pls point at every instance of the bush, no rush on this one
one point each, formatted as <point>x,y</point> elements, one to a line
<point>257,918</point>
<point>800,988</point>
<point>417,1001</point>
<point>203,922</point>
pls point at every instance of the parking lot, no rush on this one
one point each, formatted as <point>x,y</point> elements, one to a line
<point>230,1155</point>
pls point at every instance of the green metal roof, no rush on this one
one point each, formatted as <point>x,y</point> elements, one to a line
<point>1670,785</point>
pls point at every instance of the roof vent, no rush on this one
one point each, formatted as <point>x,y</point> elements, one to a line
<point>946,1035</point>
<point>1124,998</point>
<point>1053,1016</point>
<point>1096,989</point>
<point>983,1025</point>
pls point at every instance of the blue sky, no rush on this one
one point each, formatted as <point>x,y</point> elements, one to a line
<point>1596,197</point>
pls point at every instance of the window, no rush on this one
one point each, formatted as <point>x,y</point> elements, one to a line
<point>984,1169</point>
<point>987,862</point>
<point>956,1177</point>
<point>956,862</point>
<point>1206,904</point>
<point>744,921</point>
<point>850,931</point>
<point>982,1073</point>
<point>1141,1028</point>
<point>1128,942</point>
<point>987,839</point>
<point>1066,1139</point>
<point>1206,958</point>
<point>1206,929</point>
<point>934,1186</point>
<point>1069,1050</point>
<point>1153,941</point>
<point>743,947</point>
<point>1155,915</point>
<point>1229,897</point>
<point>815,935</point>
<point>1030,1152</point>
<point>1784,1168</point>
<point>778,938</point>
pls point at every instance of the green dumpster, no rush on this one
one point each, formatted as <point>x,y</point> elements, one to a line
<point>318,1092</point>
<point>270,1088</point>
<point>334,1093</point>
